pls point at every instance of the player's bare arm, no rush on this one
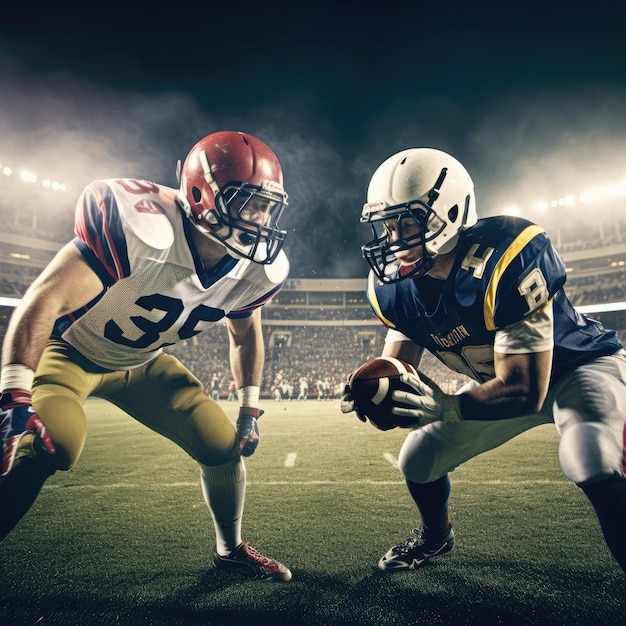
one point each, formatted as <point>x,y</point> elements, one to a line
<point>64,286</point>
<point>405,350</point>
<point>247,352</point>
<point>520,387</point>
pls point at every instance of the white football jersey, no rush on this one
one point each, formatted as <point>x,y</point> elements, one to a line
<point>157,293</point>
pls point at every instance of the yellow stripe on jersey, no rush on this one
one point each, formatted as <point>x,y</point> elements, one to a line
<point>371,294</point>
<point>505,260</point>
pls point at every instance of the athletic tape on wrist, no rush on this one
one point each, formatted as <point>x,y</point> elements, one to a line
<point>452,409</point>
<point>16,376</point>
<point>249,396</point>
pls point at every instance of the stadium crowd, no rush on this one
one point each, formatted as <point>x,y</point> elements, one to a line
<point>318,356</point>
<point>323,347</point>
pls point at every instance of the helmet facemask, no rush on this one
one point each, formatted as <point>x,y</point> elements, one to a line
<point>245,220</point>
<point>423,225</point>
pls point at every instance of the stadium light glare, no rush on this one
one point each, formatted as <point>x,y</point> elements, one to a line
<point>27,176</point>
<point>593,194</point>
<point>607,191</point>
<point>511,210</point>
<point>54,185</point>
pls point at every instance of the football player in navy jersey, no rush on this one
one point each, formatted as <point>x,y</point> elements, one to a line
<point>151,266</point>
<point>486,298</point>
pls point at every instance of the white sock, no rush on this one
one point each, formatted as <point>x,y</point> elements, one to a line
<point>224,490</point>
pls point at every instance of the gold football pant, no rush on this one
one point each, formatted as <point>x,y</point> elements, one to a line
<point>162,394</point>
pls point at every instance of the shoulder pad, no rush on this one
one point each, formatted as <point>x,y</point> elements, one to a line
<point>146,209</point>
<point>526,275</point>
<point>278,271</point>
<point>274,273</point>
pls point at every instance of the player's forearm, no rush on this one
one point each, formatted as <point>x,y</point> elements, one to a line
<point>26,337</point>
<point>247,350</point>
<point>498,400</point>
<point>246,361</point>
<point>67,284</point>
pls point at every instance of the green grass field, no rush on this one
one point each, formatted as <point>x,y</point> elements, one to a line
<point>125,537</point>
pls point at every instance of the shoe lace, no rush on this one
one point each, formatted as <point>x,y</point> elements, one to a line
<point>254,555</point>
<point>416,539</point>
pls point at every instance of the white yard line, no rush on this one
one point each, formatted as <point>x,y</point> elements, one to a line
<point>390,459</point>
<point>297,482</point>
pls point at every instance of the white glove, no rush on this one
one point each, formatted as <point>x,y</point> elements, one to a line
<point>347,404</point>
<point>428,404</point>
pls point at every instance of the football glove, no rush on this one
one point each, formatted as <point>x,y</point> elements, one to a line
<point>348,405</point>
<point>247,431</point>
<point>17,419</point>
<point>428,404</point>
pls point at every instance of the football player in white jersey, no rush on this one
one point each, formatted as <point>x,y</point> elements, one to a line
<point>151,266</point>
<point>486,298</point>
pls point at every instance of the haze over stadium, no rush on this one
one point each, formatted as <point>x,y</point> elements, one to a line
<point>530,98</point>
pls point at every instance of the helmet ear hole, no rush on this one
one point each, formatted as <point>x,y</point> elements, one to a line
<point>453,213</point>
<point>196,193</point>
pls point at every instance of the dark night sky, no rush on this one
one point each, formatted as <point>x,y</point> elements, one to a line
<point>529,96</point>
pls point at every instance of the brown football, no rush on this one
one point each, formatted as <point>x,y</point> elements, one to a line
<point>371,386</point>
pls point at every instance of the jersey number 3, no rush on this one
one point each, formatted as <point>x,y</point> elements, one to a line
<point>173,308</point>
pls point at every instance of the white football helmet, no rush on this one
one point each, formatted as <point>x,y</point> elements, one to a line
<point>431,189</point>
<point>231,188</point>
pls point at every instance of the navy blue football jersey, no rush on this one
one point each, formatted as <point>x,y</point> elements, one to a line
<point>506,269</point>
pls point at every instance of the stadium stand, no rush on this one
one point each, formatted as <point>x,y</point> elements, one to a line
<point>316,330</point>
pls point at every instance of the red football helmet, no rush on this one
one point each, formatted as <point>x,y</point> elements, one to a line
<point>231,188</point>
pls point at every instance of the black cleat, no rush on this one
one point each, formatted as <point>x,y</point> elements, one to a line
<point>415,551</point>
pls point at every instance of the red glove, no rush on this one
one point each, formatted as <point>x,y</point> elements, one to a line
<point>18,418</point>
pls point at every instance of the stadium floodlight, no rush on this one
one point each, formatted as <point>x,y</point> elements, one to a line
<point>607,191</point>
<point>27,176</point>
<point>593,194</point>
<point>54,185</point>
<point>566,201</point>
